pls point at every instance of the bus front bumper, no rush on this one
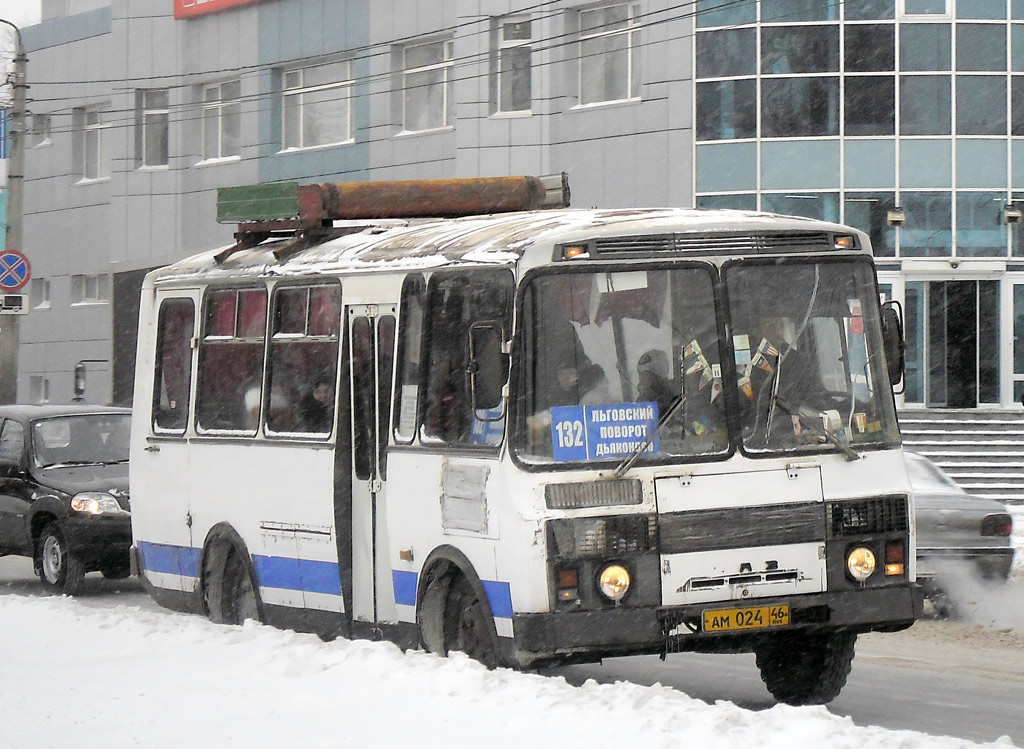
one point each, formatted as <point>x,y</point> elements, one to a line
<point>625,631</point>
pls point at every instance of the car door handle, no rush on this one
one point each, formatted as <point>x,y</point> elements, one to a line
<point>153,449</point>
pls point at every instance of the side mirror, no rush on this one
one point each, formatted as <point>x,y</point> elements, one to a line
<point>892,339</point>
<point>488,366</point>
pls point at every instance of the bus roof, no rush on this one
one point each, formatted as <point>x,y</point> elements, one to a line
<point>526,239</point>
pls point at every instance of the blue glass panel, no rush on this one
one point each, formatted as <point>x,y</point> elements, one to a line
<point>981,105</point>
<point>725,12</point>
<point>869,212</point>
<point>727,110</point>
<point>870,163</point>
<point>926,163</point>
<point>925,7</point>
<point>925,105</point>
<point>726,167</point>
<point>980,9</point>
<point>1017,163</point>
<point>870,105</point>
<point>981,46</point>
<point>981,163</point>
<point>869,10</point>
<point>728,52</point>
<point>746,201</point>
<point>799,107</point>
<point>1016,9</point>
<point>799,49</point>
<point>870,47</point>
<point>980,231</point>
<point>1017,47</point>
<point>925,46</point>
<point>929,227</point>
<point>785,165</point>
<point>789,11</point>
<point>820,205</point>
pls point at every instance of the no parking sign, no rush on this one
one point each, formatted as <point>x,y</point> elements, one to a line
<point>14,270</point>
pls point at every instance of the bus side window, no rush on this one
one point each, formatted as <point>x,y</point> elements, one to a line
<point>410,347</point>
<point>385,368</point>
<point>304,359</point>
<point>456,301</point>
<point>173,376</point>
<point>231,360</point>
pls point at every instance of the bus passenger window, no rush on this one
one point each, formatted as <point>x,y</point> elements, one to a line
<point>385,368</point>
<point>410,346</point>
<point>456,301</point>
<point>303,364</point>
<point>173,378</point>
<point>231,360</point>
<point>363,414</point>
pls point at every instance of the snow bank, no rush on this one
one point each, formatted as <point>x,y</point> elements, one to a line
<point>82,677</point>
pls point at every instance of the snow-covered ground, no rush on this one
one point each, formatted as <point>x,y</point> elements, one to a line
<point>74,675</point>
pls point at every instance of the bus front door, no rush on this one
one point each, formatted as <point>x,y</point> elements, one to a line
<point>371,360</point>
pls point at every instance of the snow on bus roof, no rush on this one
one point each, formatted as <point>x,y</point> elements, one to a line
<point>493,239</point>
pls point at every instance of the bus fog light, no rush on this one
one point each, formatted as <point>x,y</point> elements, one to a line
<point>861,563</point>
<point>614,582</point>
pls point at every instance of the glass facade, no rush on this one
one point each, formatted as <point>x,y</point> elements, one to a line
<point>911,113</point>
<point>909,104</point>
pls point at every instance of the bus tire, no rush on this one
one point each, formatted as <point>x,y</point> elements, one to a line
<point>229,589</point>
<point>467,624</point>
<point>802,668</point>
<point>59,570</point>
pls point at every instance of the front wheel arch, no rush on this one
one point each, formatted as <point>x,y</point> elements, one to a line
<point>442,568</point>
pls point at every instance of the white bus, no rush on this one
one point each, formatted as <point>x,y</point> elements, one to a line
<point>540,436</point>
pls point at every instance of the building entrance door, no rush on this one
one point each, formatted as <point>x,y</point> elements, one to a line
<point>952,330</point>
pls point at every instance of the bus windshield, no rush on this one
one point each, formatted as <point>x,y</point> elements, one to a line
<point>620,362</point>
<point>807,346</point>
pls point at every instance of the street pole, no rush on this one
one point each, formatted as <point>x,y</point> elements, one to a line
<point>15,201</point>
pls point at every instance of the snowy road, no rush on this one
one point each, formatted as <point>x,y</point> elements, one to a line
<point>112,669</point>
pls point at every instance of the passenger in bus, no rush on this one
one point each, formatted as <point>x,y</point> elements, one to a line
<point>653,382</point>
<point>316,409</point>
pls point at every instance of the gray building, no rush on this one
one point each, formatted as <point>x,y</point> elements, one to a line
<point>902,117</point>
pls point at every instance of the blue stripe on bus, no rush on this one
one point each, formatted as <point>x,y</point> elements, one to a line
<point>298,574</point>
<point>498,594</point>
<point>168,558</point>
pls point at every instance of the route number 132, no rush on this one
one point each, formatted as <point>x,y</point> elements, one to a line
<point>570,433</point>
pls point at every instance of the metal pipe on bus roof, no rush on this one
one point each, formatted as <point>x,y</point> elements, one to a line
<point>442,198</point>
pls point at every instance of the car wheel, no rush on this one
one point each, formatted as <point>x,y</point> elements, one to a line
<point>59,570</point>
<point>806,669</point>
<point>116,571</point>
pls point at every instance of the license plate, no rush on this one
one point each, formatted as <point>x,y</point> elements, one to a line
<point>755,617</point>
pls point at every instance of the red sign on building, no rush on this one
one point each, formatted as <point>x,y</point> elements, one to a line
<point>190,8</point>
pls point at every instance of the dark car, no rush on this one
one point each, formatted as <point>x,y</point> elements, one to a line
<point>961,538</point>
<point>64,491</point>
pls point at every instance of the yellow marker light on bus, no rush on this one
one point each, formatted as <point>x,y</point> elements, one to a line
<point>614,582</point>
<point>574,251</point>
<point>861,563</point>
<point>845,242</point>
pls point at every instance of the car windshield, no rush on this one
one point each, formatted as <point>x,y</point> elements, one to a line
<point>926,477</point>
<point>81,439</point>
<point>807,343</point>
<point>609,355</point>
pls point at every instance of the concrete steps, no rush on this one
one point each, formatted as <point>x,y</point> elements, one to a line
<point>982,450</point>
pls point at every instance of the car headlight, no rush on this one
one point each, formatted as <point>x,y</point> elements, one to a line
<point>96,503</point>
<point>861,563</point>
<point>614,582</point>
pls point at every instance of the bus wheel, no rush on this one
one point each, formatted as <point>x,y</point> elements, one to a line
<point>229,591</point>
<point>59,570</point>
<point>806,669</point>
<point>466,627</point>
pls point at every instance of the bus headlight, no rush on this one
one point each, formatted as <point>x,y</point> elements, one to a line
<point>614,582</point>
<point>861,563</point>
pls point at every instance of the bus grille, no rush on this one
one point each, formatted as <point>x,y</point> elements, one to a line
<point>866,516</point>
<point>599,537</point>
<point>718,243</point>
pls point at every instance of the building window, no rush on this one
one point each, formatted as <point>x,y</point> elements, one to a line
<point>727,110</point>
<point>870,105</point>
<point>316,105</point>
<point>40,135</point>
<point>726,53</point>
<point>152,118</point>
<point>925,105</point>
<point>609,53</point>
<point>94,155</point>
<point>90,289</point>
<point>222,120</point>
<point>980,105</point>
<point>38,389</point>
<point>426,86</point>
<point>514,65</point>
<point>926,8</point>
<point>925,46</point>
<point>39,293</point>
<point>799,107</point>
<point>799,49</point>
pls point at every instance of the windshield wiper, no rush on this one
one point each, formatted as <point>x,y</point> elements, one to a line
<point>632,458</point>
<point>822,430</point>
